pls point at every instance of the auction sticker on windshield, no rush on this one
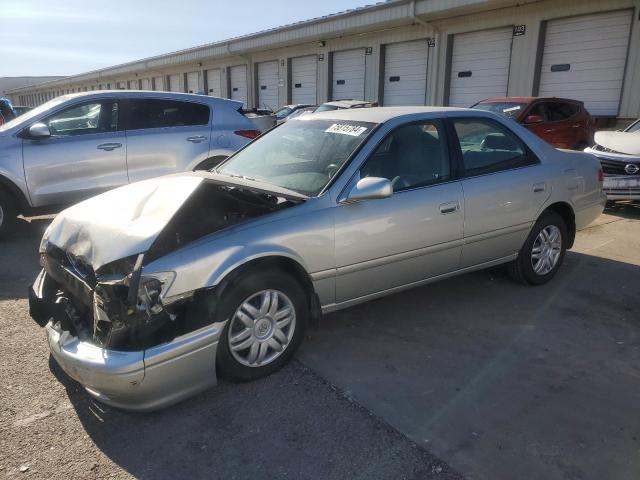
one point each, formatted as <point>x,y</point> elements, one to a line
<point>346,129</point>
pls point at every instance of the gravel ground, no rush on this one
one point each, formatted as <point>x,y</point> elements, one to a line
<point>290,425</point>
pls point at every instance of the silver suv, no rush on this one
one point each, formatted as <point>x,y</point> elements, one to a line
<point>79,145</point>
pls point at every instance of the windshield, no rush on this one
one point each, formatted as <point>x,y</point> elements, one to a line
<point>25,117</point>
<point>283,112</point>
<point>301,155</point>
<point>634,127</point>
<point>508,109</point>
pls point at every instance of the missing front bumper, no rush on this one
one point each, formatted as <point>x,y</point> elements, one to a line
<point>133,380</point>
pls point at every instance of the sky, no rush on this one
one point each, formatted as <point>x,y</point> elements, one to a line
<point>67,37</point>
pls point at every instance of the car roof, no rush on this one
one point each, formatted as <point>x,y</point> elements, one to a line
<point>150,94</point>
<point>527,99</point>
<point>377,114</point>
<point>346,103</point>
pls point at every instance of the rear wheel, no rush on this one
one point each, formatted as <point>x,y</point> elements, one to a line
<point>8,213</point>
<point>543,251</point>
<point>267,315</point>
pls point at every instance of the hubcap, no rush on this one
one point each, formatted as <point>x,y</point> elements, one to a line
<point>261,328</point>
<point>546,250</point>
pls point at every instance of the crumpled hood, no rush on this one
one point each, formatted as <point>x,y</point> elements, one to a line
<point>622,142</point>
<point>120,222</point>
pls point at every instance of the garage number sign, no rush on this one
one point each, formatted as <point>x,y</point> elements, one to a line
<point>519,30</point>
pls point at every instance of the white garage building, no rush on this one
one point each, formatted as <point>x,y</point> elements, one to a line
<point>403,52</point>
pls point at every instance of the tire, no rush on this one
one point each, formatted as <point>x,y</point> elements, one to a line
<point>527,270</point>
<point>210,163</point>
<point>247,326</point>
<point>8,213</point>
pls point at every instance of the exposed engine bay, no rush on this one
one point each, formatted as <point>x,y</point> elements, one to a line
<point>117,306</point>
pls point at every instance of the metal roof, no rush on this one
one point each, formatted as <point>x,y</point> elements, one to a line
<point>388,12</point>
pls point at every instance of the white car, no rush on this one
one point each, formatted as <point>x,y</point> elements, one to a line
<point>619,154</point>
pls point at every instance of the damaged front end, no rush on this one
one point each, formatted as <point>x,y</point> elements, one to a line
<point>115,328</point>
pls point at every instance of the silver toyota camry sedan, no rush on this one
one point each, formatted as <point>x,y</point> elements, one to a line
<point>150,291</point>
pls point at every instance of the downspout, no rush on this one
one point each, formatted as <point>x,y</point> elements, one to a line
<point>436,33</point>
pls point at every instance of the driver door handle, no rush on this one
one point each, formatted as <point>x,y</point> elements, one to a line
<point>109,146</point>
<point>196,139</point>
<point>449,207</point>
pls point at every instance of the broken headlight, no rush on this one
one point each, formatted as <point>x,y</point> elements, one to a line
<point>151,291</point>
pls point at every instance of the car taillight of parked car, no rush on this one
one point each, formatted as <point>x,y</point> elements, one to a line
<point>600,175</point>
<point>248,133</point>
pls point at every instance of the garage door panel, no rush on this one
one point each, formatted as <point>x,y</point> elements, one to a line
<point>407,64</point>
<point>595,47</point>
<point>304,79</point>
<point>268,85</point>
<point>213,83</point>
<point>238,76</point>
<point>348,71</point>
<point>487,56</point>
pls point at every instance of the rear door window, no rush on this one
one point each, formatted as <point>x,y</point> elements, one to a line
<point>156,113</point>
<point>558,111</point>
<point>488,147</point>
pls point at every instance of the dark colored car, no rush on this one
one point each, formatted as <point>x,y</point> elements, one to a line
<point>6,111</point>
<point>561,122</point>
<point>19,109</point>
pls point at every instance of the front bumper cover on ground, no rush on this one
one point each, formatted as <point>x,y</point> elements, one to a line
<point>135,380</point>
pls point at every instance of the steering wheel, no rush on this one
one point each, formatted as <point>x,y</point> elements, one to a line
<point>331,169</point>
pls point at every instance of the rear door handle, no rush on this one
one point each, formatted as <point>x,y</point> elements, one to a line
<point>549,130</point>
<point>539,187</point>
<point>109,146</point>
<point>196,139</point>
<point>449,207</point>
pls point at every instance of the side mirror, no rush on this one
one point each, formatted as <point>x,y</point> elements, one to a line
<point>39,130</point>
<point>534,119</point>
<point>369,188</point>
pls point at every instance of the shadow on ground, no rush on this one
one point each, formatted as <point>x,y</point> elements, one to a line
<point>497,378</point>
<point>289,425</point>
<point>19,259</point>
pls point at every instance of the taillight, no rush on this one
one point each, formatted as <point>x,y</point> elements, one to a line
<point>600,175</point>
<point>248,133</point>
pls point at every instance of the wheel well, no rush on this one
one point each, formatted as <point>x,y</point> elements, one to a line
<point>286,265</point>
<point>14,192</point>
<point>566,212</point>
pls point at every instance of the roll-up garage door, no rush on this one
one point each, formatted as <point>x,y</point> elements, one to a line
<point>213,83</point>
<point>175,83</point>
<point>268,85</point>
<point>480,66</point>
<point>584,59</point>
<point>238,76</point>
<point>303,79</point>
<point>158,83</point>
<point>193,82</point>
<point>405,73</point>
<point>348,75</point>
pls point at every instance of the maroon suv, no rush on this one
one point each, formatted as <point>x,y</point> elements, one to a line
<point>561,122</point>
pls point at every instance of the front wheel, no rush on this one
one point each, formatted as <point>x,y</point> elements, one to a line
<point>543,252</point>
<point>266,318</point>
